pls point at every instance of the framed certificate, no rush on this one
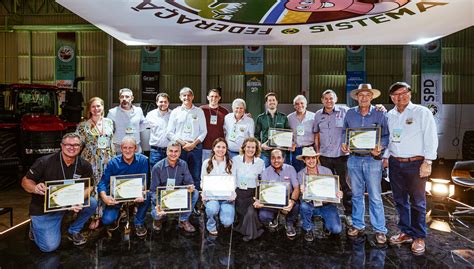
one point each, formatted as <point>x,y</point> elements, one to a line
<point>176,200</point>
<point>64,194</point>
<point>218,187</point>
<point>126,188</point>
<point>280,138</point>
<point>363,139</point>
<point>273,194</point>
<point>321,188</point>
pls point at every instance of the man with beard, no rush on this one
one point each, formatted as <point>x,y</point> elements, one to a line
<point>128,119</point>
<point>158,122</point>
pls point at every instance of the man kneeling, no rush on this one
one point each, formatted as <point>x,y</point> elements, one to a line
<point>66,164</point>
<point>328,211</point>
<point>171,172</point>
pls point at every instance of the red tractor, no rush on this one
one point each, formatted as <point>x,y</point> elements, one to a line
<point>30,126</point>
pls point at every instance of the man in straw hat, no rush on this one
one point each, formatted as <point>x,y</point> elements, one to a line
<point>328,211</point>
<point>365,167</point>
<point>413,145</point>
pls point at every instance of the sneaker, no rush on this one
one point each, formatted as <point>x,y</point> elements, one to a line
<point>274,223</point>
<point>290,230</point>
<point>401,238</point>
<point>77,239</point>
<point>348,220</point>
<point>418,246</point>
<point>140,230</point>
<point>354,232</point>
<point>157,225</point>
<point>380,238</point>
<point>187,226</point>
<point>309,236</point>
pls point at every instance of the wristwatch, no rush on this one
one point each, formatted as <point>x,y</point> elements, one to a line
<point>428,161</point>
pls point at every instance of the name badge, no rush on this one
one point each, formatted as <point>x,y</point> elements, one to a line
<point>129,130</point>
<point>233,136</point>
<point>300,130</point>
<point>102,142</point>
<point>76,176</point>
<point>243,182</point>
<point>170,184</point>
<point>339,122</point>
<point>188,128</point>
<point>396,135</point>
<point>214,119</point>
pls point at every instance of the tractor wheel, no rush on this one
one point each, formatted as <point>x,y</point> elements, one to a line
<point>9,160</point>
<point>468,146</point>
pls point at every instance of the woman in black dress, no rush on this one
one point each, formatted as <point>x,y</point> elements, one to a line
<point>247,168</point>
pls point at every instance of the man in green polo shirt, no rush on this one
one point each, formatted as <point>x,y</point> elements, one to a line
<point>269,119</point>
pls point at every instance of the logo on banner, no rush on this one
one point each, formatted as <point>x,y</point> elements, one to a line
<point>254,84</point>
<point>285,12</point>
<point>151,49</point>
<point>66,54</point>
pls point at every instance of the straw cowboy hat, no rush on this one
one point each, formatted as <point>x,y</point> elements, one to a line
<point>364,87</point>
<point>307,152</point>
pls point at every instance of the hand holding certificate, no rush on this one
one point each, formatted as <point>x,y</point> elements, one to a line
<point>363,139</point>
<point>218,187</point>
<point>127,188</point>
<point>176,200</point>
<point>273,194</point>
<point>321,188</point>
<point>66,194</point>
<point>280,138</point>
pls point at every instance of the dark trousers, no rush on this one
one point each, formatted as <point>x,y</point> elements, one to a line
<point>194,160</point>
<point>338,167</point>
<point>409,194</point>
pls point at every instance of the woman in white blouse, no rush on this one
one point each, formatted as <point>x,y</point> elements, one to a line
<point>237,126</point>
<point>247,169</point>
<point>218,164</point>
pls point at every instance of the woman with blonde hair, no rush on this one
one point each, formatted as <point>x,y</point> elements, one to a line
<point>96,133</point>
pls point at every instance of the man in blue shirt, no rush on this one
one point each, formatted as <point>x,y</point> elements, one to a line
<point>365,167</point>
<point>128,163</point>
<point>171,172</point>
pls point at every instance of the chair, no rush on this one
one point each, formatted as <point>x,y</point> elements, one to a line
<point>462,175</point>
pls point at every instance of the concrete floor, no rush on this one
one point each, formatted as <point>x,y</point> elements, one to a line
<point>19,200</point>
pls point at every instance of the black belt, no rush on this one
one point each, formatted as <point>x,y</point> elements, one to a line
<point>157,148</point>
<point>361,154</point>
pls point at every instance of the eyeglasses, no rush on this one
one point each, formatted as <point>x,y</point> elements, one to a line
<point>72,145</point>
<point>402,94</point>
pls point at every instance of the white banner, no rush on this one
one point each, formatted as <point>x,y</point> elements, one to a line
<point>283,22</point>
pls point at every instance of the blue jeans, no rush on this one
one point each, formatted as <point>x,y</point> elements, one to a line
<point>297,164</point>
<point>194,160</point>
<point>366,172</point>
<point>226,211</point>
<point>156,155</point>
<point>47,228</point>
<point>111,213</point>
<point>265,215</point>
<point>206,153</point>
<point>409,195</point>
<point>182,216</point>
<point>328,212</point>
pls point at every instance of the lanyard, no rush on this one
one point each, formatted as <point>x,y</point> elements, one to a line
<point>175,172</point>
<point>101,132</point>
<point>62,167</point>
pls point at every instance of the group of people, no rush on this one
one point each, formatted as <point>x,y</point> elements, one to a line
<point>190,142</point>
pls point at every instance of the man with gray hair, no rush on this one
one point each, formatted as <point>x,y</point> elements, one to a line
<point>301,122</point>
<point>328,124</point>
<point>128,163</point>
<point>237,127</point>
<point>187,126</point>
<point>170,173</point>
<point>128,119</point>
<point>158,122</point>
